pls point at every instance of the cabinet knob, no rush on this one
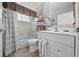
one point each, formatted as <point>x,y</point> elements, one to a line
<point>58,50</point>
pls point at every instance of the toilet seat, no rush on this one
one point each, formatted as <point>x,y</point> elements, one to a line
<point>32,41</point>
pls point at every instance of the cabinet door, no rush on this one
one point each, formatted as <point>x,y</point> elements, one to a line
<point>59,50</point>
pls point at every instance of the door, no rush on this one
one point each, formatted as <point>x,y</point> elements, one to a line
<point>1,30</point>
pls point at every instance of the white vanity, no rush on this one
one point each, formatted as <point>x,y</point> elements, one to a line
<point>57,44</point>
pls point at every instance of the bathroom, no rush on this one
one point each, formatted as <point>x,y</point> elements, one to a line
<point>39,29</point>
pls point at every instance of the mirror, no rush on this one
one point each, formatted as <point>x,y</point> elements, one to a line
<point>62,16</point>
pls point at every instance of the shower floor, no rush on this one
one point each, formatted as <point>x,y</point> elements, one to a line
<point>24,52</point>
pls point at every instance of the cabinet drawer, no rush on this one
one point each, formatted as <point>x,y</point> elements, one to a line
<point>59,50</point>
<point>66,40</point>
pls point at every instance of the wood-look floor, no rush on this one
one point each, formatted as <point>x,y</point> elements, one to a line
<point>24,52</point>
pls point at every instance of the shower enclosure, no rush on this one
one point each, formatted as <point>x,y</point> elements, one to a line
<point>18,26</point>
<point>8,18</point>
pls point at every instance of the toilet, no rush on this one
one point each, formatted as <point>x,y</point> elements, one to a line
<point>33,45</point>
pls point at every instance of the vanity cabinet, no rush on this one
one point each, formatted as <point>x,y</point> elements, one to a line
<point>58,45</point>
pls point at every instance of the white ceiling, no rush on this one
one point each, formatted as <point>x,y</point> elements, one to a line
<point>30,5</point>
<point>55,8</point>
<point>60,7</point>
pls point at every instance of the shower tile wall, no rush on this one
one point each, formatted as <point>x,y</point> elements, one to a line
<point>23,30</point>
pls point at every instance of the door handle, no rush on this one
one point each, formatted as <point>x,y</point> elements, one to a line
<point>58,50</point>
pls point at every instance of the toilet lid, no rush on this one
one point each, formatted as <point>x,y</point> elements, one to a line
<point>32,40</point>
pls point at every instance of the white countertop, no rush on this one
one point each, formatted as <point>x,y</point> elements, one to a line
<point>64,33</point>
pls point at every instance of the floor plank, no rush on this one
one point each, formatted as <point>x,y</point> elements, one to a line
<point>24,52</point>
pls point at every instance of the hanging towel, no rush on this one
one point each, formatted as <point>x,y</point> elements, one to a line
<point>40,48</point>
<point>44,48</point>
<point>45,53</point>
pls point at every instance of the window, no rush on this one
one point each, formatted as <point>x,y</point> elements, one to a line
<point>25,18</point>
<point>22,17</point>
<point>19,16</point>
